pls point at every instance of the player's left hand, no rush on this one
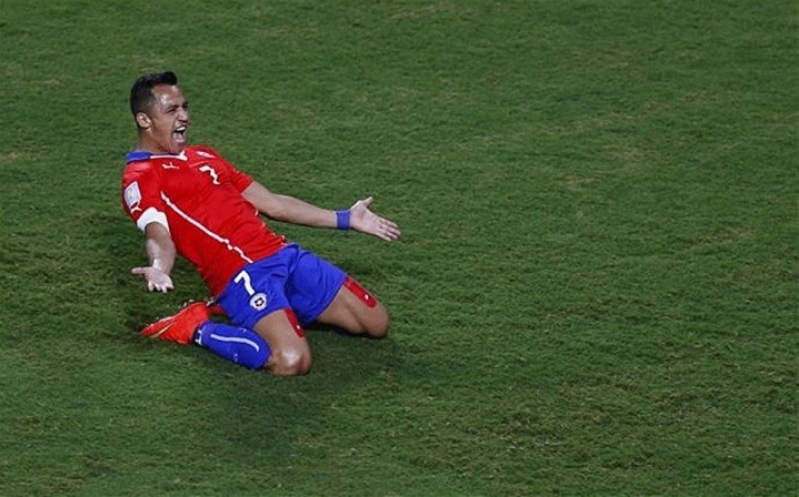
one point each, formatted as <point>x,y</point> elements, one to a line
<point>364,220</point>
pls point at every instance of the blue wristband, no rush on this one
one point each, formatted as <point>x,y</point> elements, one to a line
<point>343,220</point>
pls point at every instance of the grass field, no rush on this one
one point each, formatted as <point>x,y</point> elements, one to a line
<point>595,294</point>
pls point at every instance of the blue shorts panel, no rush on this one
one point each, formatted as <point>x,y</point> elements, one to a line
<point>293,277</point>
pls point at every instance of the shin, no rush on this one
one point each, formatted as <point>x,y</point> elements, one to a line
<point>235,344</point>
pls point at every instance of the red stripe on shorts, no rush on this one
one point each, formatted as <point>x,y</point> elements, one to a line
<point>360,292</point>
<point>295,323</point>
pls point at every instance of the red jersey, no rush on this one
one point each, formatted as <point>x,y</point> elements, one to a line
<point>196,195</point>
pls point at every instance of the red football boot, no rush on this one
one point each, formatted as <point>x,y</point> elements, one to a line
<point>179,328</point>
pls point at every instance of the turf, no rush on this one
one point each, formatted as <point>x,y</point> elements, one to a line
<point>595,292</point>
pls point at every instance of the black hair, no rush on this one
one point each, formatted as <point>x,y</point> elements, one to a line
<point>141,95</point>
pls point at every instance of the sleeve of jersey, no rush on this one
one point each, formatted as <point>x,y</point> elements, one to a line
<point>141,196</point>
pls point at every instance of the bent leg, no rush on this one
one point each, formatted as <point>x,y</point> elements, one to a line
<point>357,311</point>
<point>291,354</point>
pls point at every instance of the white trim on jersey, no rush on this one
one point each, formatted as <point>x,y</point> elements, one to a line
<point>152,215</point>
<point>202,228</point>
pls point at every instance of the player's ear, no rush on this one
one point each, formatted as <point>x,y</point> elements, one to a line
<point>143,120</point>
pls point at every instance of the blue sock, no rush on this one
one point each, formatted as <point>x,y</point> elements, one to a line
<point>235,344</point>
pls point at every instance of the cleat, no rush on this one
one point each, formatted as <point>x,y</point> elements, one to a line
<point>179,328</point>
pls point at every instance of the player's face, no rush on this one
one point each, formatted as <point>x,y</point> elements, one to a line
<point>168,120</point>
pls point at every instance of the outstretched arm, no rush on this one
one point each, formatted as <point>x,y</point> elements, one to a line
<point>161,254</point>
<point>293,210</point>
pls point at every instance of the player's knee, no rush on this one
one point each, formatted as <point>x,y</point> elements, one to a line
<point>290,362</point>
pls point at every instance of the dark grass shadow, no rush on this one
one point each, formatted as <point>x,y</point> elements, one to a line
<point>257,419</point>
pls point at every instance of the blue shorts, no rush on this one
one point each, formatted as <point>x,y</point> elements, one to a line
<point>293,277</point>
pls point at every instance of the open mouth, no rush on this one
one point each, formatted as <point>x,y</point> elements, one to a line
<point>180,134</point>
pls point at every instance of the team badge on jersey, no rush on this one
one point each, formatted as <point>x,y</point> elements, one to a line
<point>133,197</point>
<point>258,301</point>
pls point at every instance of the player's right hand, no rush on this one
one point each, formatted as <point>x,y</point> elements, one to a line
<point>157,280</point>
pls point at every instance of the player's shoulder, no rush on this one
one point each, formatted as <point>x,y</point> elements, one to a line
<point>203,155</point>
<point>203,152</point>
<point>138,161</point>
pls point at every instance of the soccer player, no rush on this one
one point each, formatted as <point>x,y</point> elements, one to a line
<point>188,200</point>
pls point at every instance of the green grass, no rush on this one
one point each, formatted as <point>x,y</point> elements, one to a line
<point>595,294</point>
